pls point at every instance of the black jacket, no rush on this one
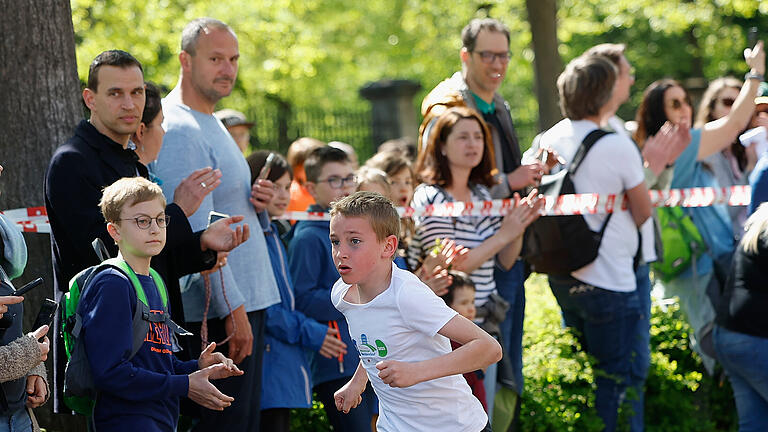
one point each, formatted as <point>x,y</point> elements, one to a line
<point>78,172</point>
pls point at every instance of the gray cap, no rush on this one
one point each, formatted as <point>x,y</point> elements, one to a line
<point>231,118</point>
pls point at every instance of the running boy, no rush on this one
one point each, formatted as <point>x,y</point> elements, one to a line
<point>140,393</point>
<point>401,329</point>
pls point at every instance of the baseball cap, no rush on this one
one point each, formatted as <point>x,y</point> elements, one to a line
<point>231,118</point>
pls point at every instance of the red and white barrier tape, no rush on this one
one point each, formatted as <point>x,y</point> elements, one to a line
<point>588,203</point>
<point>35,219</point>
<point>30,219</point>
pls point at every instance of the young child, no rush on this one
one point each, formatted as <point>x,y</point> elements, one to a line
<point>330,177</point>
<point>400,175</point>
<point>373,180</point>
<point>288,332</point>
<point>461,298</point>
<point>140,393</point>
<point>401,329</point>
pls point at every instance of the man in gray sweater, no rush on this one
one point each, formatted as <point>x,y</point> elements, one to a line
<point>194,139</point>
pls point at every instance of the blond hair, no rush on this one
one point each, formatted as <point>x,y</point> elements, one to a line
<point>125,192</point>
<point>755,228</point>
<point>367,175</point>
<point>377,208</point>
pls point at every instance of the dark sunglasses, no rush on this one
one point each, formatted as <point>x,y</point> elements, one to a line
<point>676,104</point>
<point>727,101</point>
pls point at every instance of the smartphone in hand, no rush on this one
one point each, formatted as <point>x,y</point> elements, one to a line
<point>45,316</point>
<point>213,216</point>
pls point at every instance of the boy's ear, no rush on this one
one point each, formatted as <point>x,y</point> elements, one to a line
<point>113,231</point>
<point>311,188</point>
<point>390,246</point>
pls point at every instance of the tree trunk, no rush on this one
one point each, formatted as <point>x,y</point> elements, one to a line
<point>39,90</point>
<point>542,17</point>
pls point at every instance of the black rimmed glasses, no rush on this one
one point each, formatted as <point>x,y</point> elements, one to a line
<point>337,182</point>
<point>144,222</point>
<point>490,56</point>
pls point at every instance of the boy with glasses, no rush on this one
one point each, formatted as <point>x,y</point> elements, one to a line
<point>140,392</point>
<point>330,177</point>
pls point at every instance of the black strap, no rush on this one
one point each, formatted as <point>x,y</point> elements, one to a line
<point>586,146</point>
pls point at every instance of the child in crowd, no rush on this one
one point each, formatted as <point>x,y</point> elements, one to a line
<point>401,329</point>
<point>140,393</point>
<point>297,153</point>
<point>461,298</point>
<point>288,332</point>
<point>330,177</point>
<point>373,180</point>
<point>400,175</point>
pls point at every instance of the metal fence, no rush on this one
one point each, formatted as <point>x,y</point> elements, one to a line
<point>278,125</point>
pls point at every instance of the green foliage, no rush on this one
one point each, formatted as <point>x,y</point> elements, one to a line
<point>559,393</point>
<point>310,419</point>
<point>558,376</point>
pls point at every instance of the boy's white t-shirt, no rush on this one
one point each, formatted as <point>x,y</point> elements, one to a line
<point>401,324</point>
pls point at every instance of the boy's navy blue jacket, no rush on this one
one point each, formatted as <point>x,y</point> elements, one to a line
<point>285,376</point>
<point>141,394</point>
<point>314,273</point>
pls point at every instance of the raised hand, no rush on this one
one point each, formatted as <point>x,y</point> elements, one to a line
<point>206,394</point>
<point>219,236</point>
<point>190,192</point>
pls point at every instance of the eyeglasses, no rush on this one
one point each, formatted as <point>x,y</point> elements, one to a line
<point>337,182</point>
<point>490,56</point>
<point>727,101</point>
<point>676,104</point>
<point>144,222</point>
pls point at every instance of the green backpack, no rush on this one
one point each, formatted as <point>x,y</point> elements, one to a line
<point>79,389</point>
<point>681,240</point>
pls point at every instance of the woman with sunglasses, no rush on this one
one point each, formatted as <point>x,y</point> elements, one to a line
<point>732,165</point>
<point>666,101</point>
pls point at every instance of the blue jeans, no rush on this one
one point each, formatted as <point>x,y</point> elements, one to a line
<point>18,421</point>
<point>606,323</point>
<point>510,285</point>
<point>641,349</point>
<point>744,358</point>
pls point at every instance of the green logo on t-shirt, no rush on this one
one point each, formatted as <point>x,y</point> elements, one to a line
<point>367,349</point>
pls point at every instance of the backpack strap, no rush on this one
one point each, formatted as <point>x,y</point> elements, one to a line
<point>585,147</point>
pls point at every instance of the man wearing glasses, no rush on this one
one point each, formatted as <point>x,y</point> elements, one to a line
<point>484,58</point>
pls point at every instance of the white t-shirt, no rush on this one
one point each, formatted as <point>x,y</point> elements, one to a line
<point>612,166</point>
<point>647,229</point>
<point>401,324</point>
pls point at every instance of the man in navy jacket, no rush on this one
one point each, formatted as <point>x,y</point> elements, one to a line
<point>99,153</point>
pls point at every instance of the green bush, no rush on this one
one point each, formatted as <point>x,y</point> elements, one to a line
<point>559,385</point>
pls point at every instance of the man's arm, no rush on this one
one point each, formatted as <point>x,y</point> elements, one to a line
<point>72,194</point>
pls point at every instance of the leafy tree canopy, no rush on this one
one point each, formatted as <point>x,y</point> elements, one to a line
<point>318,53</point>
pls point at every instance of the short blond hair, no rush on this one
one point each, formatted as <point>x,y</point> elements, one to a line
<point>125,192</point>
<point>375,207</point>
